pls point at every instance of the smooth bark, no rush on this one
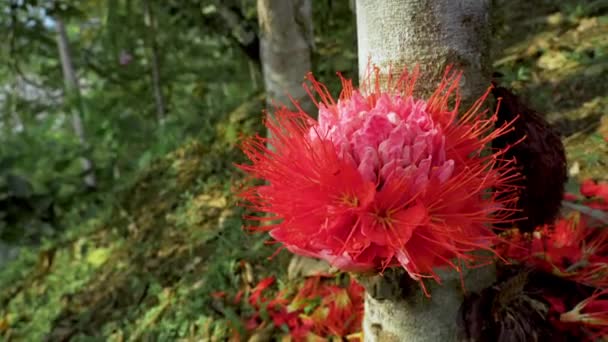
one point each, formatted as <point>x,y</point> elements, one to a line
<point>159,99</point>
<point>286,42</point>
<point>431,34</point>
<point>72,88</point>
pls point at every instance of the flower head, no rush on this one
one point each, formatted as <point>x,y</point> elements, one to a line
<point>569,249</point>
<point>597,190</point>
<point>382,178</point>
<point>592,313</point>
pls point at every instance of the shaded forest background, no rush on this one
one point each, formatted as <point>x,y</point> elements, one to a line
<point>165,91</point>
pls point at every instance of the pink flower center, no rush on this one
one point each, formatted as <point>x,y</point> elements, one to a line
<point>395,138</point>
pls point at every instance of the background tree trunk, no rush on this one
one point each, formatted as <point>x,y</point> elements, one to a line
<point>72,89</point>
<point>150,21</point>
<point>286,42</point>
<point>432,34</point>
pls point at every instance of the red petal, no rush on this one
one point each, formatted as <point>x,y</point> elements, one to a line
<point>589,188</point>
<point>257,290</point>
<point>556,304</point>
<point>405,221</point>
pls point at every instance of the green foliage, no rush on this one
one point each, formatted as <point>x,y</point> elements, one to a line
<point>131,258</point>
<point>146,269</point>
<point>335,52</point>
<point>202,75</point>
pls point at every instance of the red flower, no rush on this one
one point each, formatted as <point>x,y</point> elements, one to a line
<point>340,311</point>
<point>382,179</point>
<point>319,308</point>
<point>591,312</point>
<point>345,309</point>
<point>590,188</point>
<point>256,293</point>
<point>598,192</point>
<point>569,249</point>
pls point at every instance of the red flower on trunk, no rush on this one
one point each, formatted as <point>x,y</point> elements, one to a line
<point>569,249</point>
<point>591,313</point>
<point>382,178</point>
<point>597,191</point>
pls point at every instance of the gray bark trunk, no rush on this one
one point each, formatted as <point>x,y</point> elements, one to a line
<point>253,74</point>
<point>73,94</point>
<point>12,122</point>
<point>154,63</point>
<point>286,42</point>
<point>432,34</point>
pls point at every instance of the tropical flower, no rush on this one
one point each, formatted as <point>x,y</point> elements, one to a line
<point>382,178</point>
<point>591,313</point>
<point>318,308</point>
<point>598,191</point>
<point>575,248</point>
<point>569,249</point>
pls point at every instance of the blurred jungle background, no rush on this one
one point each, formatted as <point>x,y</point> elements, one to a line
<point>119,130</point>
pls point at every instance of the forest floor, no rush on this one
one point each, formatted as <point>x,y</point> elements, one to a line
<point>148,269</point>
<point>558,61</point>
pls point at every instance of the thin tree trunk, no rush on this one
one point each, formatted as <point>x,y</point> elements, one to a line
<point>73,95</point>
<point>12,120</point>
<point>17,124</point>
<point>154,62</point>
<point>243,35</point>
<point>353,7</point>
<point>253,74</point>
<point>7,125</point>
<point>286,41</point>
<point>432,34</point>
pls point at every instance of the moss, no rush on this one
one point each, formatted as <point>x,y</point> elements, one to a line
<point>554,56</point>
<point>147,269</point>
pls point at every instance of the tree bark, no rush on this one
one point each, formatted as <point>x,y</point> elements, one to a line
<point>286,42</point>
<point>159,99</point>
<point>431,34</point>
<point>73,95</point>
<point>241,30</point>
<point>12,122</point>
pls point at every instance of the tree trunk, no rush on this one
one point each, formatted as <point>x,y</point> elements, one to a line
<point>353,7</point>
<point>286,42</point>
<point>431,34</point>
<point>159,99</point>
<point>253,74</point>
<point>12,122</point>
<point>73,95</point>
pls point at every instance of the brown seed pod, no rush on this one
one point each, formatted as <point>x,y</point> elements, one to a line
<point>540,157</point>
<point>515,308</point>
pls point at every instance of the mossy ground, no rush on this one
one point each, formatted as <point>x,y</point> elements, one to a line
<point>145,270</point>
<point>555,55</point>
<point>148,268</point>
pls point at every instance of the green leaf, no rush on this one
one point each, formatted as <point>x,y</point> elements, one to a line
<point>98,256</point>
<point>18,186</point>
